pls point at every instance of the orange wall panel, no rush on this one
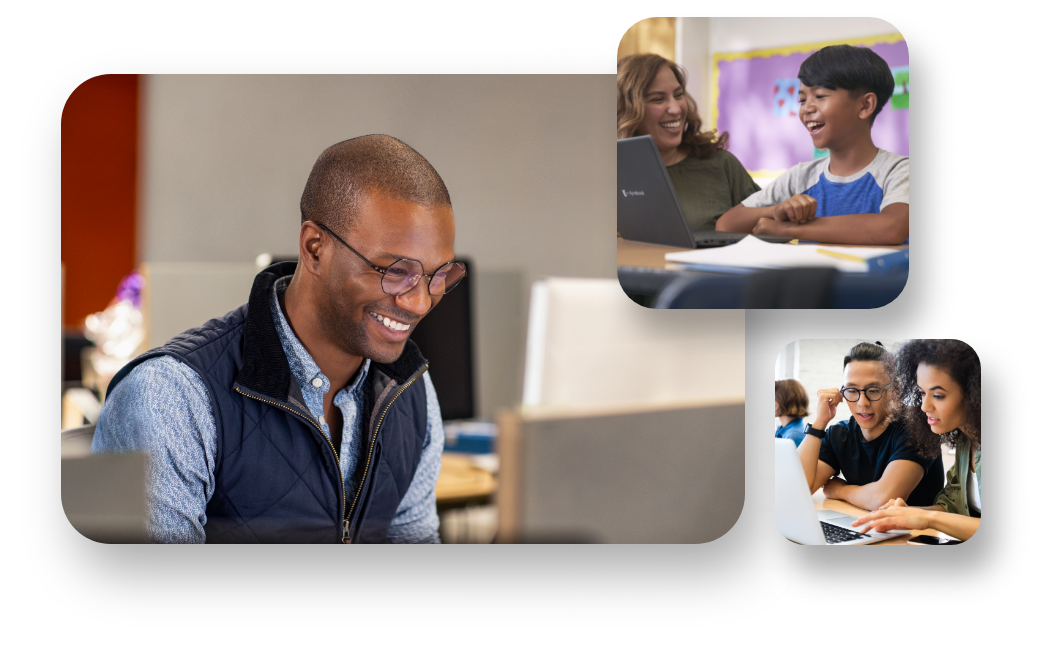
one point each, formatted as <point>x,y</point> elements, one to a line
<point>99,191</point>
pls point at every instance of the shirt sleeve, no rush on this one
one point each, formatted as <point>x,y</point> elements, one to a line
<point>162,408</point>
<point>827,451</point>
<point>416,520</point>
<point>777,192</point>
<point>950,497</point>
<point>894,189</point>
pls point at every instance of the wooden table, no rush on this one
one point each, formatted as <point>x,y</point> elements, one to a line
<point>823,503</point>
<point>462,483</point>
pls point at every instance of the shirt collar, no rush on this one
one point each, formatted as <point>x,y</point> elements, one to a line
<point>302,366</point>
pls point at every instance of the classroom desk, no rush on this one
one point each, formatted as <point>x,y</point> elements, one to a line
<point>461,483</point>
<point>642,269</point>
<point>821,503</point>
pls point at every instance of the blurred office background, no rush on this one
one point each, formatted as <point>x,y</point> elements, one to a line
<point>190,179</point>
<point>693,42</point>
<point>194,183</point>
<point>178,173</point>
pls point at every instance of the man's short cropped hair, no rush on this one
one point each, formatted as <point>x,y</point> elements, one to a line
<point>856,69</point>
<point>867,352</point>
<point>347,172</point>
<point>792,398</point>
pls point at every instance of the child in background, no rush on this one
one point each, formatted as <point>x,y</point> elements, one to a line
<point>792,404</point>
<point>861,187</point>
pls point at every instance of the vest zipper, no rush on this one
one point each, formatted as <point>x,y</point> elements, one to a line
<point>337,459</point>
<point>370,452</point>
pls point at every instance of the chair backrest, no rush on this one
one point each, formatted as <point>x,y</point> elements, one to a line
<point>76,442</point>
<point>702,292</point>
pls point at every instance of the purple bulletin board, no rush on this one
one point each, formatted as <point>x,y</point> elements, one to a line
<point>749,101</point>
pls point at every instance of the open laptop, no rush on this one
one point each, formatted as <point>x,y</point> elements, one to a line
<point>798,519</point>
<point>648,209</point>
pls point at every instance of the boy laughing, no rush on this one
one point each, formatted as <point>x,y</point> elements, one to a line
<point>861,187</point>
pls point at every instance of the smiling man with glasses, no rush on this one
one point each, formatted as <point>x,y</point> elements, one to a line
<point>867,460</point>
<point>307,415</point>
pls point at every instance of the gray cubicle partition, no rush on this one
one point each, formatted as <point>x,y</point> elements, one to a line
<point>180,296</point>
<point>656,476</point>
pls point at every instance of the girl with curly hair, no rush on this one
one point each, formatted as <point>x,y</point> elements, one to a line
<point>940,392</point>
<point>652,100</point>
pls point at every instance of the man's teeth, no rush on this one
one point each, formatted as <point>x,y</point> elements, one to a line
<point>814,125</point>
<point>391,323</point>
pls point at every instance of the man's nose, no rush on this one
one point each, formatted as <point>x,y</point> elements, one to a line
<point>417,300</point>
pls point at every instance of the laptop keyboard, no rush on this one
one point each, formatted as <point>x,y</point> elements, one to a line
<point>835,534</point>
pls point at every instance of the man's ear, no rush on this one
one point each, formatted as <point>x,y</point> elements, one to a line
<point>312,249</point>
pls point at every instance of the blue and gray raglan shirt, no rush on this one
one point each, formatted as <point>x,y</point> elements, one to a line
<point>881,183</point>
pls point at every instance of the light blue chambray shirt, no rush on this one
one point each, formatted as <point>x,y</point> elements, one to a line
<point>162,407</point>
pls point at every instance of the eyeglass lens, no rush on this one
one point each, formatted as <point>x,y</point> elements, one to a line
<point>853,395</point>
<point>403,275</point>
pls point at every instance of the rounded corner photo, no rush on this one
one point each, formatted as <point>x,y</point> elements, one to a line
<point>877,442</point>
<point>749,173</point>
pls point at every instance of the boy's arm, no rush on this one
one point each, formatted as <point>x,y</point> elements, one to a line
<point>891,227</point>
<point>742,219</point>
<point>898,480</point>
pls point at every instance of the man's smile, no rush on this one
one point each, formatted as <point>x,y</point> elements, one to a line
<point>390,323</point>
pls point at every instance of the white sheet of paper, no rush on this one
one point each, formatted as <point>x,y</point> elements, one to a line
<point>752,252</point>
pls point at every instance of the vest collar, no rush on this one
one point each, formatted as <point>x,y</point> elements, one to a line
<point>265,368</point>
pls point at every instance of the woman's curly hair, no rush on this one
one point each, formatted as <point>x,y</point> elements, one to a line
<point>958,360</point>
<point>634,74</point>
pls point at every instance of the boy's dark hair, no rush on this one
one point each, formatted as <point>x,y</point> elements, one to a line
<point>856,69</point>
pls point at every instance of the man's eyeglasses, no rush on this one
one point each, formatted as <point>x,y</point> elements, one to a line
<point>400,277</point>
<point>852,394</point>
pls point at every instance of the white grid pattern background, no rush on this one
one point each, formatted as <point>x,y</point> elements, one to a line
<point>996,576</point>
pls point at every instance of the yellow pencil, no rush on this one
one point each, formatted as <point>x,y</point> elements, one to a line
<point>839,255</point>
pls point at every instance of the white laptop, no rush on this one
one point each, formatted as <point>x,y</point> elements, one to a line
<point>798,519</point>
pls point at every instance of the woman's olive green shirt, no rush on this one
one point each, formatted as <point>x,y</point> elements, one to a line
<point>709,188</point>
<point>953,497</point>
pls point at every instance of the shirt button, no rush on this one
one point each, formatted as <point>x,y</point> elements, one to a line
<point>317,382</point>
<point>322,421</point>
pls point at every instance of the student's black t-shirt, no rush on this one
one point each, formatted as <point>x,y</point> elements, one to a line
<point>863,463</point>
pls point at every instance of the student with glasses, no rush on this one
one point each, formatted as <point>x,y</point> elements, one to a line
<point>868,460</point>
<point>940,389</point>
<point>307,415</point>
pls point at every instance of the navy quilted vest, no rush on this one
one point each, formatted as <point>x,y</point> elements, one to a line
<point>277,477</point>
